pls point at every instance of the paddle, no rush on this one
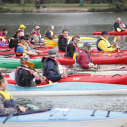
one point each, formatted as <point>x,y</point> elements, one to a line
<point>51,43</point>
<point>9,116</point>
<point>115,38</point>
<point>31,65</point>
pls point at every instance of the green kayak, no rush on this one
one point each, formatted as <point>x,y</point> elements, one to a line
<point>13,63</point>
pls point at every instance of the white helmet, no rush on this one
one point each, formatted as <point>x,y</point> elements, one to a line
<point>25,58</point>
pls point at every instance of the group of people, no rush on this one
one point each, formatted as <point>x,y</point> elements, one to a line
<point>51,67</point>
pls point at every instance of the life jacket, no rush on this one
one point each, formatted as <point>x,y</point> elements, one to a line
<point>56,63</point>
<point>18,53</point>
<point>77,50</point>
<point>121,24</point>
<point>98,42</point>
<point>9,103</point>
<point>51,33</point>
<point>19,81</point>
<point>40,41</point>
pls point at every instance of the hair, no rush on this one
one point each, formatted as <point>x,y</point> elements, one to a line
<point>1,78</point>
<point>64,30</point>
<point>18,31</point>
<point>51,27</point>
<point>75,36</point>
<point>4,29</point>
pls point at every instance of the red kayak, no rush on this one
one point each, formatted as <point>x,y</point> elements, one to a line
<point>97,59</point>
<point>110,79</point>
<point>124,32</point>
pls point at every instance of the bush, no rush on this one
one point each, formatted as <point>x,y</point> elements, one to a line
<point>4,10</point>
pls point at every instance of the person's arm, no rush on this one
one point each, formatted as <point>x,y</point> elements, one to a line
<point>48,34</point>
<point>29,52</point>
<point>4,111</point>
<point>71,49</point>
<point>103,46</point>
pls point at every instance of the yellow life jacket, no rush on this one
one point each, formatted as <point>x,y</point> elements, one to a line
<point>51,32</point>
<point>24,47</point>
<point>6,95</point>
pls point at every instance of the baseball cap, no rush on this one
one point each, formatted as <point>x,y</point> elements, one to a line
<point>87,44</point>
<point>22,26</point>
<point>37,27</point>
<point>23,37</point>
<point>104,32</point>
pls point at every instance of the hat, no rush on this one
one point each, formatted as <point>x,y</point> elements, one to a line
<point>25,58</point>
<point>28,36</point>
<point>87,44</point>
<point>104,32</point>
<point>22,26</point>
<point>4,29</point>
<point>23,37</point>
<point>52,52</point>
<point>37,27</point>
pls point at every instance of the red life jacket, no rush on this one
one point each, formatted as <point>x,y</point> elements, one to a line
<point>121,24</point>
<point>35,33</point>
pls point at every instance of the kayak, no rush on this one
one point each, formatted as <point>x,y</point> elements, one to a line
<point>124,32</point>
<point>68,89</point>
<point>61,117</point>
<point>13,62</point>
<point>96,59</point>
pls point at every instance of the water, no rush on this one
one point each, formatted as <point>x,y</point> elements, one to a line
<point>83,24</point>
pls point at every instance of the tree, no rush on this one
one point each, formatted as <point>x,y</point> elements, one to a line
<point>0,2</point>
<point>22,2</point>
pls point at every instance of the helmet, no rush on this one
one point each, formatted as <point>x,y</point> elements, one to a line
<point>22,26</point>
<point>25,58</point>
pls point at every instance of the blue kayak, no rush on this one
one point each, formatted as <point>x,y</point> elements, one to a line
<point>69,88</point>
<point>66,118</point>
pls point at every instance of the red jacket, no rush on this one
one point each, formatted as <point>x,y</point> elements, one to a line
<point>83,60</point>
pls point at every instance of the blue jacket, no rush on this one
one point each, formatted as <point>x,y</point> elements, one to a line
<point>50,69</point>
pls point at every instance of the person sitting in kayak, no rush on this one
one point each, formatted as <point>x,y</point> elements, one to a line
<point>118,26</point>
<point>29,45</point>
<point>103,45</point>
<point>21,48</point>
<point>51,68</point>
<point>83,58</point>
<point>7,105</point>
<point>63,41</point>
<point>22,28</point>
<point>15,39</point>
<point>72,47</point>
<point>36,36</point>
<point>24,77</point>
<point>49,33</point>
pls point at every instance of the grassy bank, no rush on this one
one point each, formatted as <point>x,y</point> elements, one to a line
<point>16,8</point>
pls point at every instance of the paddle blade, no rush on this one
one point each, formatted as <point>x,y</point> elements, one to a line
<point>74,56</point>
<point>51,43</point>
<point>29,64</point>
<point>50,82</point>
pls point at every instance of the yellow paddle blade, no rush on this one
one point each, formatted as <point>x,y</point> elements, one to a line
<point>118,30</point>
<point>50,82</point>
<point>74,56</point>
<point>51,43</point>
<point>29,64</point>
<point>83,38</point>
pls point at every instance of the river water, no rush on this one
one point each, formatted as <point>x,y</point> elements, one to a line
<point>83,24</point>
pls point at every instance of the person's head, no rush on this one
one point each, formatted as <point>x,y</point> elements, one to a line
<point>37,29</point>
<point>65,33</point>
<point>105,34</point>
<point>76,39</point>
<point>18,33</point>
<point>23,40</point>
<point>22,27</point>
<point>25,58</point>
<point>3,82</point>
<point>118,20</point>
<point>52,53</point>
<point>86,47</point>
<point>51,28</point>
<point>28,36</point>
<point>5,31</point>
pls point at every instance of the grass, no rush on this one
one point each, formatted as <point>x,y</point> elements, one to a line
<point>31,7</point>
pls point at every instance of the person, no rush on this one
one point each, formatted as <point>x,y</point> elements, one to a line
<point>63,40</point>
<point>49,33</point>
<point>72,47</point>
<point>21,48</point>
<point>37,4</point>
<point>118,26</point>
<point>103,44</point>
<point>36,35</point>
<point>83,59</point>
<point>7,105</point>
<point>51,68</point>
<point>24,77</point>
<point>29,45</point>
<point>22,28</point>
<point>3,34</point>
<point>15,39</point>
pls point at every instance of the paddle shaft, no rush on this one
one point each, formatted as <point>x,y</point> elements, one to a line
<point>9,116</point>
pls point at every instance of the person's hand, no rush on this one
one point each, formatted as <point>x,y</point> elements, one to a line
<point>35,73</point>
<point>22,109</point>
<point>12,38</point>
<point>55,36</point>
<point>115,43</point>
<point>93,66</point>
